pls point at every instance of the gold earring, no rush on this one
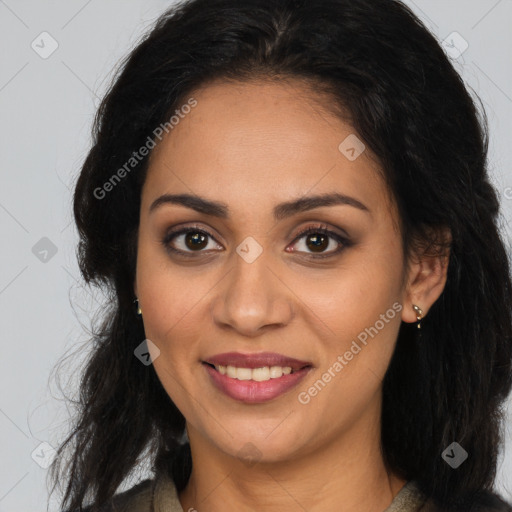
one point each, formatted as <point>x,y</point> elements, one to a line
<point>139,311</point>
<point>419,314</point>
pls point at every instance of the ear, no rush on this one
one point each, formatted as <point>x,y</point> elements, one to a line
<point>426,275</point>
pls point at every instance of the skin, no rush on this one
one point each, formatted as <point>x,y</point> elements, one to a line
<point>251,146</point>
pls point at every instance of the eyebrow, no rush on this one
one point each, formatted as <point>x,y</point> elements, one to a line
<point>280,211</point>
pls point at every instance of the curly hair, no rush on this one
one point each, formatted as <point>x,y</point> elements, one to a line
<point>387,74</point>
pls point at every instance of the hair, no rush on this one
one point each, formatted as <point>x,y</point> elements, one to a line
<point>389,75</point>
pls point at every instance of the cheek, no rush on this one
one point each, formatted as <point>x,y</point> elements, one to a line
<point>355,296</point>
<point>353,366</point>
<point>173,320</point>
<point>361,310</point>
<point>171,297</point>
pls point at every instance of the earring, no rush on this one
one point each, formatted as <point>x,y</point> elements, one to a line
<point>419,314</point>
<point>139,311</point>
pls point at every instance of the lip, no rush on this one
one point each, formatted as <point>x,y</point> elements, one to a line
<point>255,360</point>
<point>250,391</point>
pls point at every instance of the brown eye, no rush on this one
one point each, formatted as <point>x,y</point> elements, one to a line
<point>195,240</point>
<point>317,242</point>
<point>188,241</point>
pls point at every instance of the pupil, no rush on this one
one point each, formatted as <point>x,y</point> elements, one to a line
<point>317,242</point>
<point>195,240</point>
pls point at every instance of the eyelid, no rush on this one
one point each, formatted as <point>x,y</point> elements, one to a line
<point>320,227</point>
<point>342,239</point>
<point>183,230</point>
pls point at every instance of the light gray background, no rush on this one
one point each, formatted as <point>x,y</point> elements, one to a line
<point>46,108</point>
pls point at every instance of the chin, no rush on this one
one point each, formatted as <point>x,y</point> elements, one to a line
<point>262,447</point>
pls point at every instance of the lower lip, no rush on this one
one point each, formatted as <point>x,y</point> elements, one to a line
<point>250,391</point>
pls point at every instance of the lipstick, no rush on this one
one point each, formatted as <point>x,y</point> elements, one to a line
<point>255,378</point>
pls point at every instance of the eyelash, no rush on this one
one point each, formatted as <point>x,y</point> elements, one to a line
<point>320,229</point>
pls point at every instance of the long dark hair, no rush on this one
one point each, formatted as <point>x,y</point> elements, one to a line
<point>386,73</point>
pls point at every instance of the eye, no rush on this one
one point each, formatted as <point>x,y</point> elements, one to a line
<point>317,241</point>
<point>189,240</point>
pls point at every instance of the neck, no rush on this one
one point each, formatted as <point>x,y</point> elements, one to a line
<point>344,474</point>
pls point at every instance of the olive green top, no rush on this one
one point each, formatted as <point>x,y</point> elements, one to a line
<point>160,495</point>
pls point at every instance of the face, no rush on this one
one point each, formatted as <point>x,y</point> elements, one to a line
<point>316,284</point>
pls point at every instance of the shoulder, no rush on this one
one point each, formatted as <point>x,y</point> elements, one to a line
<point>487,501</point>
<point>136,499</point>
<point>483,501</point>
<point>158,493</point>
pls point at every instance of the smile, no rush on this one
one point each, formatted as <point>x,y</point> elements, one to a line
<point>255,385</point>
<point>256,374</point>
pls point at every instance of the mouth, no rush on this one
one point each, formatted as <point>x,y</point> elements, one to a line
<point>255,378</point>
<point>260,374</point>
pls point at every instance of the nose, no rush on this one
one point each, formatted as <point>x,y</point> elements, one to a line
<point>252,298</point>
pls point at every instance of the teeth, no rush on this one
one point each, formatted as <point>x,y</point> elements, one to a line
<point>256,374</point>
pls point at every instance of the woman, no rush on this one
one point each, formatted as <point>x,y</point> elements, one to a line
<point>310,299</point>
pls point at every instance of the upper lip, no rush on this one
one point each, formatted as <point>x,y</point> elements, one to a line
<point>256,360</point>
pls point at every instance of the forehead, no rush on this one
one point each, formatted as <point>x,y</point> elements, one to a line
<point>252,141</point>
